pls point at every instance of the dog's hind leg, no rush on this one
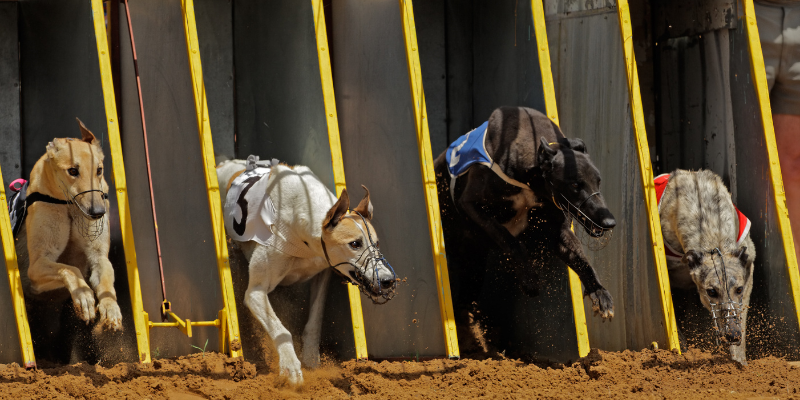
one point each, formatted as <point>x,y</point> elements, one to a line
<point>267,269</point>
<point>311,333</point>
<point>569,250</point>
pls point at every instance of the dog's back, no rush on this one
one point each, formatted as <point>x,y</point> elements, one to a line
<point>697,212</point>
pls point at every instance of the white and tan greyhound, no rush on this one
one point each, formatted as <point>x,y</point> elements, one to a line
<point>292,229</point>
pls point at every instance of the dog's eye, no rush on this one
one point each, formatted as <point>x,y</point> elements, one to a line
<point>99,171</point>
<point>73,171</point>
<point>739,290</point>
<point>356,244</point>
<point>712,292</point>
<point>574,186</point>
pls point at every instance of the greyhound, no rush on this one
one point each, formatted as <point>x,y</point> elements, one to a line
<point>292,229</point>
<point>708,247</point>
<point>520,169</point>
<point>64,242</point>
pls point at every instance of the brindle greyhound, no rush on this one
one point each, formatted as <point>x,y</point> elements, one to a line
<point>536,175</point>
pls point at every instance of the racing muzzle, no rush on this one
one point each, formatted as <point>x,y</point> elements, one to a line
<point>371,272</point>
<point>726,314</point>
<point>593,235</point>
<point>89,222</point>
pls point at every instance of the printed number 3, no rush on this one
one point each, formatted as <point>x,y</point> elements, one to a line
<point>239,226</point>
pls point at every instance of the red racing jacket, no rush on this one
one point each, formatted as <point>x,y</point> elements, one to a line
<point>661,182</point>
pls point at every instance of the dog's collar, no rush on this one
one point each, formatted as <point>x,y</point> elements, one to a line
<point>36,196</point>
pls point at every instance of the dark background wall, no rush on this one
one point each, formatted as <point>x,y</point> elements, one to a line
<point>10,155</point>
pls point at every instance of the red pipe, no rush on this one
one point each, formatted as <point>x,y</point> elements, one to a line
<point>147,157</point>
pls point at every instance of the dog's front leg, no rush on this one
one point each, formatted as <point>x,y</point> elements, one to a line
<point>311,333</point>
<point>569,250</point>
<point>267,269</point>
<point>102,280</point>
<point>48,234</point>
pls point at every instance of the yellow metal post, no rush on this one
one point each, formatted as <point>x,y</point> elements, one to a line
<point>576,291</point>
<point>643,150</point>
<point>429,178</point>
<point>762,91</point>
<point>118,170</point>
<point>212,185</point>
<point>323,54</point>
<point>543,49</point>
<point>14,283</point>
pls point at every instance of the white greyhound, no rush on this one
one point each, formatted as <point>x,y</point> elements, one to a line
<point>291,229</point>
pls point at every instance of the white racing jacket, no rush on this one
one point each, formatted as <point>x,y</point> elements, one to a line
<point>248,211</point>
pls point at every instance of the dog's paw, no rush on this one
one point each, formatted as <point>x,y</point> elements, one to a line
<point>83,300</point>
<point>110,315</point>
<point>289,365</point>
<point>602,304</point>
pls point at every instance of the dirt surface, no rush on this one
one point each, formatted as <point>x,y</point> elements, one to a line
<point>643,374</point>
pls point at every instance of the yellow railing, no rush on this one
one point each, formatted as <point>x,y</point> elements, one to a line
<point>323,54</point>
<point>646,172</point>
<point>429,179</point>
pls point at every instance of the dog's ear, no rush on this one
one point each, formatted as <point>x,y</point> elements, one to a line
<point>365,206</point>
<point>741,254</point>
<point>546,154</point>
<point>52,149</point>
<point>693,259</point>
<point>86,135</point>
<point>577,145</point>
<point>336,212</point>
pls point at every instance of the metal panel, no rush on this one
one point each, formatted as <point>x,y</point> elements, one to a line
<point>179,188</point>
<point>279,106</point>
<point>10,162</point>
<point>61,80</point>
<point>10,155</point>
<point>710,118</point>
<point>11,151</point>
<point>215,29</point>
<point>597,110</point>
<point>379,146</point>
<point>773,315</point>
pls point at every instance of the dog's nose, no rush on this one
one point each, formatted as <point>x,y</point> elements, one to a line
<point>97,212</point>
<point>608,223</point>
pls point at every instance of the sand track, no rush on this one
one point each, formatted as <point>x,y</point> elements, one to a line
<point>642,374</point>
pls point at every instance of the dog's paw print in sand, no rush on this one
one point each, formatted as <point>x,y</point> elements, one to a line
<point>602,304</point>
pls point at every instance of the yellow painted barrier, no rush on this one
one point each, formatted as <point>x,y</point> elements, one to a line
<point>762,91</point>
<point>543,50</point>
<point>323,54</point>
<point>14,283</point>
<point>643,151</point>
<point>118,171</point>
<point>231,331</point>
<point>429,179</point>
